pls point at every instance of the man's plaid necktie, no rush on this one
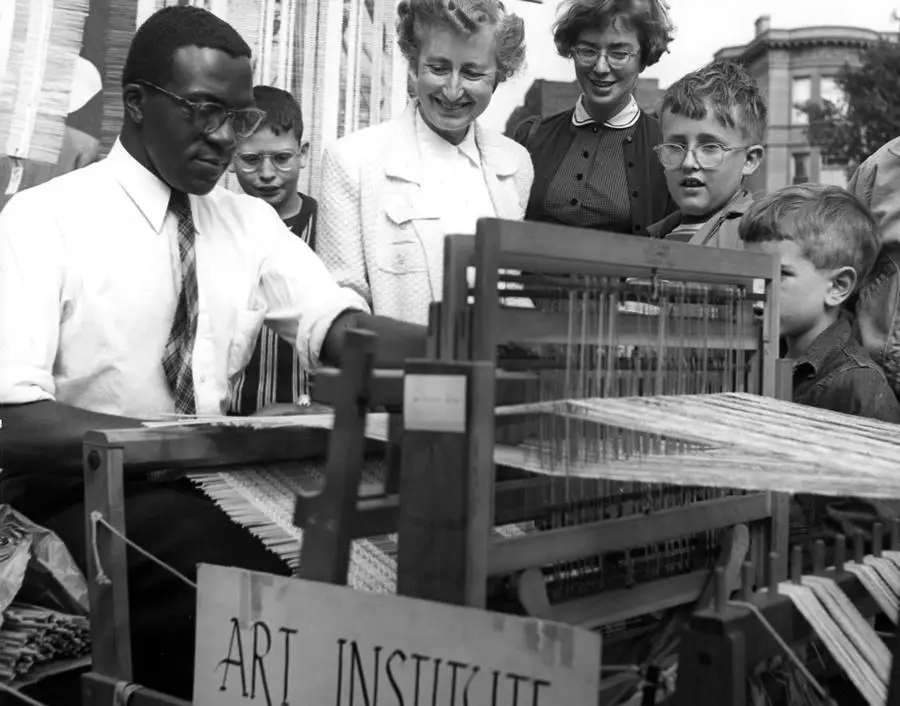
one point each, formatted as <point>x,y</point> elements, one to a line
<point>179,350</point>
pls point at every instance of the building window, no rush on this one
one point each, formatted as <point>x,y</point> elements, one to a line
<point>800,168</point>
<point>801,94</point>
<point>834,175</point>
<point>831,92</point>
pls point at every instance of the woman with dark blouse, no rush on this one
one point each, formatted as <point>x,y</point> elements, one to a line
<point>594,164</point>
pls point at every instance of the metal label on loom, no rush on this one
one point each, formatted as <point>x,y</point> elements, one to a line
<point>434,403</point>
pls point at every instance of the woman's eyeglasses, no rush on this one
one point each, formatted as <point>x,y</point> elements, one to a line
<point>209,117</point>
<point>708,156</point>
<point>616,58</point>
<point>250,162</point>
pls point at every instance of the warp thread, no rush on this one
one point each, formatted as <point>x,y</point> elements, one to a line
<point>102,578</point>
<point>844,651</point>
<point>785,648</point>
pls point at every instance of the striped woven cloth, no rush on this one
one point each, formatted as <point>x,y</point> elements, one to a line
<point>261,499</point>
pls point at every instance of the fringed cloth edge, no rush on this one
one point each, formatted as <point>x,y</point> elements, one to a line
<point>261,499</point>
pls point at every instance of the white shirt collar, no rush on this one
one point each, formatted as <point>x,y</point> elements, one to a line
<point>435,142</point>
<point>626,117</point>
<point>148,192</point>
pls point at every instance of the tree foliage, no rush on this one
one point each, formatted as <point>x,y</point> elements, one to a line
<point>868,116</point>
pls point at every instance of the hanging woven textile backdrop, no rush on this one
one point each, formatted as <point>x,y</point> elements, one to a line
<point>40,42</point>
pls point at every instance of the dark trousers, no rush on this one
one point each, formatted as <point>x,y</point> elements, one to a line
<point>178,525</point>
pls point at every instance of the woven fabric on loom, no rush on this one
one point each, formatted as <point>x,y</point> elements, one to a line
<point>262,500</point>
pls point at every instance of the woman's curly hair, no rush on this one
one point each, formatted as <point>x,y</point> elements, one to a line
<point>649,19</point>
<point>416,17</point>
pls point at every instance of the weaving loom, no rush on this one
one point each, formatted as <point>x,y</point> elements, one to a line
<point>631,364</point>
<point>610,317</point>
<point>732,350</point>
<point>577,550</point>
<point>726,644</point>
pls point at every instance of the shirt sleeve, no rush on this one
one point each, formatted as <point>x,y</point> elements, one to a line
<point>339,240</point>
<point>32,259</point>
<point>302,299</point>
<point>875,184</point>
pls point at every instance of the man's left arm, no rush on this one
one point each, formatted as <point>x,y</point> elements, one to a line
<point>397,340</point>
<point>307,307</point>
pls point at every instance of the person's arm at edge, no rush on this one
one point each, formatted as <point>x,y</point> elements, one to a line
<point>38,433</point>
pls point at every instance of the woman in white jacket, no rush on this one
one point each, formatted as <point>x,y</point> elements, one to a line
<point>391,192</point>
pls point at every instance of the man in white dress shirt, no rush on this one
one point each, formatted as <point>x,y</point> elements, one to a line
<point>134,288</point>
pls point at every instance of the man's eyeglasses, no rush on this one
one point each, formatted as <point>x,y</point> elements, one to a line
<point>708,156</point>
<point>209,117</point>
<point>250,162</point>
<point>616,58</point>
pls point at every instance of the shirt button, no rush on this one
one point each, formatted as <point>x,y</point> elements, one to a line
<point>574,202</point>
<point>629,140</point>
<point>635,193</point>
<point>637,228</point>
<point>595,129</point>
<point>631,164</point>
<point>579,176</point>
<point>586,154</point>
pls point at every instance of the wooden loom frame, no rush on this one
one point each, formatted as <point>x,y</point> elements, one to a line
<point>446,551</point>
<point>724,644</point>
<point>109,455</point>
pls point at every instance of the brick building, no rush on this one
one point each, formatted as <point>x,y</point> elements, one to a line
<point>794,66</point>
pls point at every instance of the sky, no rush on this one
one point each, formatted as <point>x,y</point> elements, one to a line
<point>702,27</point>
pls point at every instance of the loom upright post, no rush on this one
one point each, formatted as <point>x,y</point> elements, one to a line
<point>327,518</point>
<point>712,663</point>
<point>447,483</point>
<point>109,615</point>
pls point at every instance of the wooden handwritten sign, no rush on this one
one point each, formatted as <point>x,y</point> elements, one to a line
<point>275,641</point>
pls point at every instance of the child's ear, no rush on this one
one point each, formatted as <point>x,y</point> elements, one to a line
<point>753,159</point>
<point>843,282</point>
<point>304,154</point>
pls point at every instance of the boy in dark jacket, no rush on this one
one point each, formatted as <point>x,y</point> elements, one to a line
<point>828,242</point>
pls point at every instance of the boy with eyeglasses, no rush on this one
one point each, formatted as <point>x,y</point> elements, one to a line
<point>713,122</point>
<point>267,165</point>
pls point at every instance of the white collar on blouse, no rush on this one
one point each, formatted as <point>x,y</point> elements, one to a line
<point>438,144</point>
<point>626,117</point>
